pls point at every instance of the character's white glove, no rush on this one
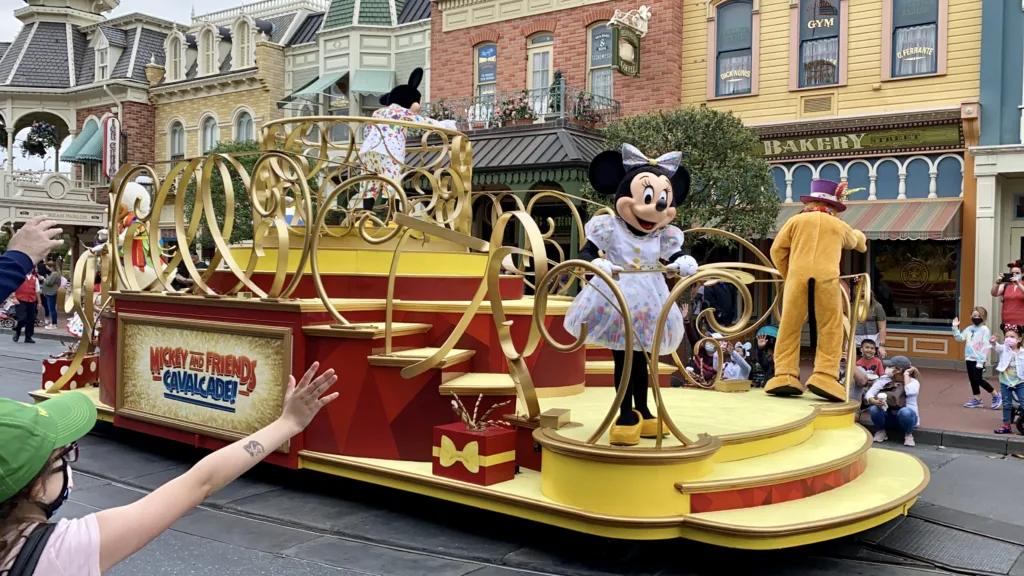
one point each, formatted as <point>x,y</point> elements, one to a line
<point>684,265</point>
<point>606,266</point>
<point>449,125</point>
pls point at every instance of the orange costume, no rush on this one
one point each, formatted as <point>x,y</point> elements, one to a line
<point>807,252</point>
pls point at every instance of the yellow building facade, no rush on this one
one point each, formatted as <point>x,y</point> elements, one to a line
<point>882,95</point>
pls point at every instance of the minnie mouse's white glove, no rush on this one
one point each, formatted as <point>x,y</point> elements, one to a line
<point>449,125</point>
<point>685,265</point>
<point>606,266</point>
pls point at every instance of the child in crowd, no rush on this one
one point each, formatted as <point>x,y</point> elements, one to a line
<point>868,362</point>
<point>976,351</point>
<point>763,367</point>
<point>1011,371</point>
<point>736,366</point>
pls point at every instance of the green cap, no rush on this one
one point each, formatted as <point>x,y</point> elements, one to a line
<point>31,433</point>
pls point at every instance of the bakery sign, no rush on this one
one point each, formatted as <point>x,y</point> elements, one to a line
<point>856,143</point>
<point>111,146</point>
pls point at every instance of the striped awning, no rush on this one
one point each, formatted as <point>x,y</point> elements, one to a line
<point>936,219</point>
<point>76,145</point>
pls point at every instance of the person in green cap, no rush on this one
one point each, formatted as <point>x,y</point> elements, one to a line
<point>39,444</point>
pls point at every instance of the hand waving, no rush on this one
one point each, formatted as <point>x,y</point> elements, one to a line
<point>762,341</point>
<point>956,322</point>
<point>302,401</point>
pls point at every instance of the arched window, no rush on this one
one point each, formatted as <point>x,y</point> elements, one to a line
<point>177,134</point>
<point>599,61</point>
<point>243,127</point>
<point>243,58</point>
<point>208,53</point>
<point>734,48</point>
<point>174,71</point>
<point>209,134</point>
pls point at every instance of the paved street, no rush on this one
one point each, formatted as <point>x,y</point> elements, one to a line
<point>275,521</point>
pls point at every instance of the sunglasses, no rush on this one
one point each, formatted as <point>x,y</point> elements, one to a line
<point>69,453</point>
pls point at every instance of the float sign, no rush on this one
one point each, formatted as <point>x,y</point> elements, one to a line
<point>111,146</point>
<point>221,380</point>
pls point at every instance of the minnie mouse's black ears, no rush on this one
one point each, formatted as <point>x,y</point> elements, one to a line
<point>415,78</point>
<point>606,172</point>
<point>680,185</point>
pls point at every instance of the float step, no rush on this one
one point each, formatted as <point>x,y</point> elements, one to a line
<point>478,383</point>
<point>604,367</point>
<point>810,462</point>
<point>367,330</point>
<point>890,484</point>
<point>403,358</point>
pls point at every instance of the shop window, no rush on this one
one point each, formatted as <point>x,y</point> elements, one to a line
<point>243,127</point>
<point>599,63</point>
<point>916,37</point>
<point>734,48</point>
<point>916,281</point>
<point>177,135</point>
<point>819,42</point>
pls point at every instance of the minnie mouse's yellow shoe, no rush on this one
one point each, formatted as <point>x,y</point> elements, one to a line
<point>649,428</point>
<point>626,435</point>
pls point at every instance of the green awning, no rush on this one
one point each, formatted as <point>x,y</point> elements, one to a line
<point>91,151</point>
<point>79,141</point>
<point>373,82</point>
<point>314,88</point>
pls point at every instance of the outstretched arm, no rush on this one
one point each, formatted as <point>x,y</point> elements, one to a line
<point>126,529</point>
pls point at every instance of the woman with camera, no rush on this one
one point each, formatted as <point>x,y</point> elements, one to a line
<point>1010,289</point>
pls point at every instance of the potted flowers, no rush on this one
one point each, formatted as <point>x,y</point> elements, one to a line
<point>583,111</point>
<point>442,110</point>
<point>41,137</point>
<point>516,109</point>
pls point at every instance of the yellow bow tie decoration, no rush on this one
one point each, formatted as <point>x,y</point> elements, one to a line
<point>469,456</point>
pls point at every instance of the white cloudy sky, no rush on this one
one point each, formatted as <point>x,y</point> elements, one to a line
<point>176,10</point>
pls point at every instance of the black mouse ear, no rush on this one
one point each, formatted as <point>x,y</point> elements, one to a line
<point>415,78</point>
<point>680,185</point>
<point>607,171</point>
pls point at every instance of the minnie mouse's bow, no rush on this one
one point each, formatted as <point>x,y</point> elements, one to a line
<point>634,158</point>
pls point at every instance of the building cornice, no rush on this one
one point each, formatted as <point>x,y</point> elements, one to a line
<point>75,16</point>
<point>122,82</point>
<point>240,81</point>
<point>136,18</point>
<point>860,122</point>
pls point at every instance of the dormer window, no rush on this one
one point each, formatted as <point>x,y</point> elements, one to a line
<point>102,59</point>
<point>207,53</point>
<point>243,44</point>
<point>174,65</point>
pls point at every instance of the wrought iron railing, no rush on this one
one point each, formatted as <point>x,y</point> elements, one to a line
<point>558,102</point>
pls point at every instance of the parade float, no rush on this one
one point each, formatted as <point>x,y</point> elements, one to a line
<point>458,380</point>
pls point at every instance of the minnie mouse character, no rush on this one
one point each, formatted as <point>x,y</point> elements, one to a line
<point>383,150</point>
<point>646,193</point>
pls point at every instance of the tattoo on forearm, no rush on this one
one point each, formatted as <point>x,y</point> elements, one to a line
<point>254,448</point>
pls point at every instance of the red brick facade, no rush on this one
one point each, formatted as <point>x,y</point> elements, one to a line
<point>659,85</point>
<point>138,122</point>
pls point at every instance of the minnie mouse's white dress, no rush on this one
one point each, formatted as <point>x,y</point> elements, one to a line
<point>645,293</point>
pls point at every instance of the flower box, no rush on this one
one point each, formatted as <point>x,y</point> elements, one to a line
<point>483,457</point>
<point>87,374</point>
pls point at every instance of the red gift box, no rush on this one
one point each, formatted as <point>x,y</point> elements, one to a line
<point>86,375</point>
<point>481,457</point>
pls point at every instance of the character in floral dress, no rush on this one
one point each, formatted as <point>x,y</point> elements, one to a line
<point>383,150</point>
<point>637,239</point>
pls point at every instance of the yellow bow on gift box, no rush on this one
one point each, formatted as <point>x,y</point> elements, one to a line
<point>469,456</point>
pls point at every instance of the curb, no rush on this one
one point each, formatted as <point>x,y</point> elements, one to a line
<point>1004,445</point>
<point>42,334</point>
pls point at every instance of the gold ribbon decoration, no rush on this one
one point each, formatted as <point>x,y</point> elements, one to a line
<point>469,456</point>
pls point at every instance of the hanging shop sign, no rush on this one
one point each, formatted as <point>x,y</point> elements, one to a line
<point>216,379</point>
<point>111,146</point>
<point>627,30</point>
<point>915,139</point>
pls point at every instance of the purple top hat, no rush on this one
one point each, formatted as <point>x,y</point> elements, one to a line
<point>826,191</point>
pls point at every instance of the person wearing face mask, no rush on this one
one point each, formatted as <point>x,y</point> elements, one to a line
<point>899,407</point>
<point>1011,373</point>
<point>1010,289</point>
<point>976,348</point>
<point>40,444</point>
